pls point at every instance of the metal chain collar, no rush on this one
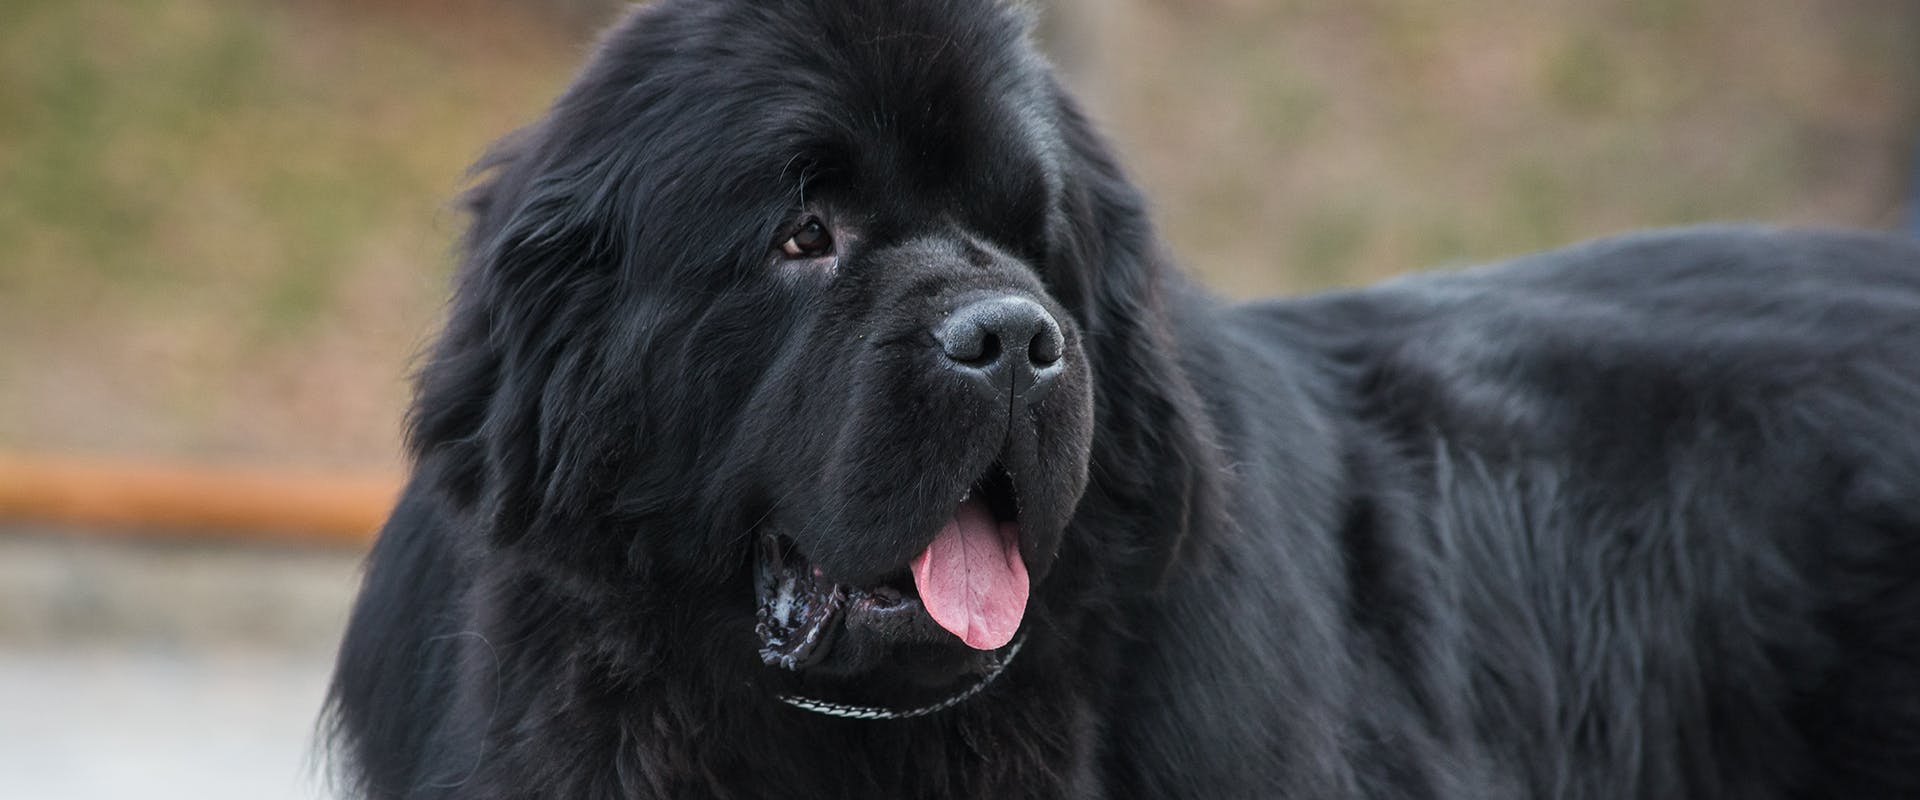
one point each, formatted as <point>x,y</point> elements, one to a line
<point>876,712</point>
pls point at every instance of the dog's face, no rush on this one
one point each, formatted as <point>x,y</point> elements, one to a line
<point>914,439</point>
<point>778,321</point>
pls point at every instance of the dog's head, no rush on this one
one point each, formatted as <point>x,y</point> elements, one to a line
<point>790,319</point>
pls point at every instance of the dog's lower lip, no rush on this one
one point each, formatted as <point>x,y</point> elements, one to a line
<point>797,611</point>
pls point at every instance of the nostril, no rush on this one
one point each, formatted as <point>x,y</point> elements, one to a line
<point>1040,355</point>
<point>987,353</point>
<point>1045,348</point>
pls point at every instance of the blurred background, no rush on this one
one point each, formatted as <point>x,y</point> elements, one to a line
<point>225,230</point>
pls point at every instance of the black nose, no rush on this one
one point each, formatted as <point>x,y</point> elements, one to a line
<point>1004,345</point>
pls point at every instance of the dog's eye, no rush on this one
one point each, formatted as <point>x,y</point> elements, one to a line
<point>812,240</point>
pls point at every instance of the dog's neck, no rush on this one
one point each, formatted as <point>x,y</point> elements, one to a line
<point>845,711</point>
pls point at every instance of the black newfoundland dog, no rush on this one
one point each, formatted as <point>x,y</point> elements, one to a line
<point>818,417</point>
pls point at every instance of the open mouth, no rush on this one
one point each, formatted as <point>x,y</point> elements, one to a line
<point>970,582</point>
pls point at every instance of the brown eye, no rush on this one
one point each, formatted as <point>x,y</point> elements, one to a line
<point>812,240</point>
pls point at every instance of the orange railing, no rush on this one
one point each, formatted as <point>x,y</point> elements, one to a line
<point>143,497</point>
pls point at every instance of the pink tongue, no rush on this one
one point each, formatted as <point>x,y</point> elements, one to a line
<point>971,579</point>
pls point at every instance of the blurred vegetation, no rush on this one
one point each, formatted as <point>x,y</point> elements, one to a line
<point>224,224</point>
<point>1302,143</point>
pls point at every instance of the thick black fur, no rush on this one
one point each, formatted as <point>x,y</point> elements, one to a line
<point>1639,518</point>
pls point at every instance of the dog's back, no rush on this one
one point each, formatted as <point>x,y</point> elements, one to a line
<point>1635,518</point>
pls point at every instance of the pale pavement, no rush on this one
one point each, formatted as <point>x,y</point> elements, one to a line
<point>161,671</point>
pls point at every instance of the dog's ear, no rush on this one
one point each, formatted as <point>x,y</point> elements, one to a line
<point>454,386</point>
<point>1154,454</point>
<point>497,398</point>
<point>550,381</point>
